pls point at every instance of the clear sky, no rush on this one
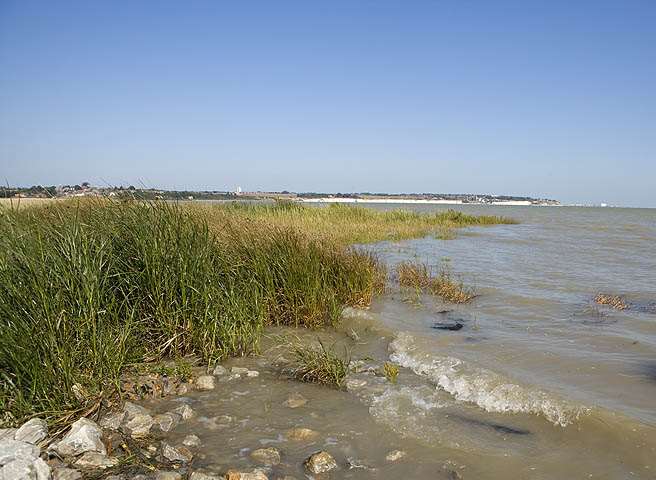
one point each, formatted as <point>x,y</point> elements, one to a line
<point>540,98</point>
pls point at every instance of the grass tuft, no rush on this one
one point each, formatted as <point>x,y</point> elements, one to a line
<point>318,364</point>
<point>614,301</point>
<point>420,277</point>
<point>391,372</point>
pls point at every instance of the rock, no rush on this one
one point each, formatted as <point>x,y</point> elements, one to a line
<point>176,454</point>
<point>395,455</point>
<point>191,441</point>
<point>354,384</point>
<point>166,421</point>
<point>7,433</point>
<point>266,456</point>
<point>112,420</point>
<point>203,476</point>
<point>159,475</point>
<point>32,431</point>
<point>239,370</point>
<point>252,373</point>
<point>84,436</point>
<point>63,473</point>
<point>219,370</point>
<point>185,411</point>
<point>454,327</point>
<point>295,400</point>
<point>205,382</point>
<point>320,462</point>
<point>132,410</point>
<point>11,450</point>
<point>138,426</point>
<point>95,460</point>
<point>301,434</point>
<point>254,475</point>
<point>183,389</point>
<point>25,469</point>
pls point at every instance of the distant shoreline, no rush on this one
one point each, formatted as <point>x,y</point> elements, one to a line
<point>526,203</point>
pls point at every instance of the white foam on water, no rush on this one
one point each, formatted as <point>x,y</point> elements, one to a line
<point>489,390</point>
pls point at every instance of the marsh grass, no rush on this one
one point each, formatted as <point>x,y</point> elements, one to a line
<point>318,364</point>
<point>349,224</point>
<point>419,277</point>
<point>614,301</point>
<point>391,372</point>
<point>89,288</point>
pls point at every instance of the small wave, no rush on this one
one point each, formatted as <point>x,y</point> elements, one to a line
<point>487,389</point>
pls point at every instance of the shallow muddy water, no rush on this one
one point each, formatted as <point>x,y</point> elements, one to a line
<point>540,383</point>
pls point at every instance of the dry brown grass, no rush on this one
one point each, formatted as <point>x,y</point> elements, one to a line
<point>614,301</point>
<point>420,277</point>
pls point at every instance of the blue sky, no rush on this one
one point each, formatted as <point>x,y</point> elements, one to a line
<point>554,99</point>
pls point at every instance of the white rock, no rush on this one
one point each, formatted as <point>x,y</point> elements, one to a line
<point>84,436</point>
<point>354,384</point>
<point>205,382</point>
<point>238,370</point>
<point>32,431</point>
<point>185,411</point>
<point>320,462</point>
<point>112,420</point>
<point>219,370</point>
<point>7,433</point>
<point>191,441</point>
<point>63,473</point>
<point>95,460</point>
<point>25,469</point>
<point>252,373</point>
<point>167,421</point>
<point>11,450</point>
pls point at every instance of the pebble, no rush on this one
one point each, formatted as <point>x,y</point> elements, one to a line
<point>266,456</point>
<point>159,475</point>
<point>238,370</point>
<point>185,411</point>
<point>252,373</point>
<point>167,421</point>
<point>254,475</point>
<point>219,370</point>
<point>301,434</point>
<point>112,420</point>
<point>191,441</point>
<point>176,454</point>
<point>63,473</point>
<point>33,431</point>
<point>395,455</point>
<point>320,462</point>
<point>295,400</point>
<point>138,426</point>
<point>203,476</point>
<point>95,460</point>
<point>205,382</point>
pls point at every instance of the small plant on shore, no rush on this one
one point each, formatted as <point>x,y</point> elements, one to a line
<point>318,364</point>
<point>418,276</point>
<point>391,372</point>
<point>613,301</point>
